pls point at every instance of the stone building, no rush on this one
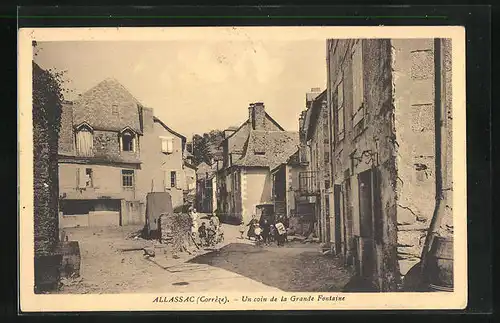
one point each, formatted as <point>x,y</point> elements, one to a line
<point>112,152</point>
<point>314,183</point>
<point>205,190</point>
<point>285,178</point>
<point>244,179</point>
<point>382,95</point>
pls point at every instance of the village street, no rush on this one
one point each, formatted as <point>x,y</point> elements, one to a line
<point>238,265</point>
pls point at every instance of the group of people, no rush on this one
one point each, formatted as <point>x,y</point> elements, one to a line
<point>265,231</point>
<point>209,235</point>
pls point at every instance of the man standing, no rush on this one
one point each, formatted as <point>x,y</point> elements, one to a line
<point>194,220</point>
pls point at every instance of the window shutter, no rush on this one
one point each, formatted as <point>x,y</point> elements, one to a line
<point>82,183</point>
<point>167,145</point>
<point>164,145</point>
<point>170,145</point>
<point>357,72</point>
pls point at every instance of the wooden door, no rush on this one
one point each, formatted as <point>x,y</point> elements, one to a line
<point>366,236</point>
<point>338,215</point>
<point>350,249</point>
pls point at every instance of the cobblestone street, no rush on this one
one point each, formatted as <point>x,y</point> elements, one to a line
<point>238,265</point>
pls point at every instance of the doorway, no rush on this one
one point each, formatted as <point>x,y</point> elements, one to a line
<point>370,221</point>
<point>337,197</point>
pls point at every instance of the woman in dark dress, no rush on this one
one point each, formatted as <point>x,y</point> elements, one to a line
<point>251,229</point>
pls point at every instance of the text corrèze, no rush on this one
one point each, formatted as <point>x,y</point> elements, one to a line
<point>191,299</point>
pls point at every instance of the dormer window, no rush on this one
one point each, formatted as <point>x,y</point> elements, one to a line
<point>260,153</point>
<point>84,140</point>
<point>128,140</point>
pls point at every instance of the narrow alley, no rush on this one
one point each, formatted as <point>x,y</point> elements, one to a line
<point>237,265</point>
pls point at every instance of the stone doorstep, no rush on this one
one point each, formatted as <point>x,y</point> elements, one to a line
<point>413,227</point>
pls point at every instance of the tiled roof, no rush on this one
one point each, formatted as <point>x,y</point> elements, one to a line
<point>107,106</point>
<point>268,148</point>
<point>237,140</point>
<point>313,113</point>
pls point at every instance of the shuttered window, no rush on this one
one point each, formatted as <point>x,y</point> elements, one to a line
<point>340,121</point>
<point>167,145</point>
<point>358,84</point>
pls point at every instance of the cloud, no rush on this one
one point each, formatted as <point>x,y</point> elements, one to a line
<point>139,67</point>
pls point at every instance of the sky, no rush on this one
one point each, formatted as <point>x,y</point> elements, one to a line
<point>197,86</point>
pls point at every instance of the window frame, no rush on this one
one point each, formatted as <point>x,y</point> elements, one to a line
<point>167,141</point>
<point>173,179</point>
<point>84,128</point>
<point>358,97</point>
<point>133,138</point>
<point>339,135</point>
<point>114,109</point>
<point>90,177</point>
<point>128,173</point>
<point>326,156</point>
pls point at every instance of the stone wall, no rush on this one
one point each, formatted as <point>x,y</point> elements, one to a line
<point>414,93</point>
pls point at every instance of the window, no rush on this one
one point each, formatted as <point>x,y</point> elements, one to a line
<point>236,181</point>
<point>173,179</point>
<point>260,153</point>
<point>167,145</point>
<point>340,122</point>
<point>128,141</point>
<point>114,109</point>
<point>358,84</point>
<point>327,183</point>
<point>327,205</point>
<point>88,177</point>
<point>127,178</point>
<point>327,157</point>
<point>84,141</point>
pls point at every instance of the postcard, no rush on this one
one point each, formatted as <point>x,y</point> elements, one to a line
<point>242,168</point>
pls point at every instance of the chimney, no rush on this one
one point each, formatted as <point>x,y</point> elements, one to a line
<point>313,94</point>
<point>257,115</point>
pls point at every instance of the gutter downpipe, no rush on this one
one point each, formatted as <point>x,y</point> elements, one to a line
<point>440,156</point>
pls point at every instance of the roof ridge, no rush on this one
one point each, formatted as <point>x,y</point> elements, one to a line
<point>109,80</point>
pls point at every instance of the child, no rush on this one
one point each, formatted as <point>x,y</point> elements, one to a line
<point>281,230</point>
<point>242,229</point>
<point>258,233</point>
